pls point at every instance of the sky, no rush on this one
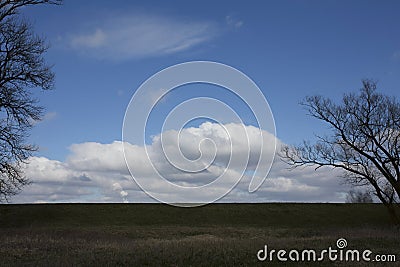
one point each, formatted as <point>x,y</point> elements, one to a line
<point>103,51</point>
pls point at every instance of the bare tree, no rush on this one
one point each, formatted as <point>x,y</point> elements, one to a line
<point>22,67</point>
<point>358,196</point>
<point>365,142</point>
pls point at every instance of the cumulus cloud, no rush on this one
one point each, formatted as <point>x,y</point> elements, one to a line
<point>117,187</point>
<point>95,172</point>
<point>136,36</point>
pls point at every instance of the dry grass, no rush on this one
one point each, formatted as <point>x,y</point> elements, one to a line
<point>61,240</point>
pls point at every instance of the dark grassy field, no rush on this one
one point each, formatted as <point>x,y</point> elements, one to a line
<point>161,235</point>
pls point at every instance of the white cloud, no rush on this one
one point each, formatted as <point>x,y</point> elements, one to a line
<point>96,172</point>
<point>396,55</point>
<point>91,40</point>
<point>99,157</point>
<point>49,116</point>
<point>117,187</point>
<point>120,92</point>
<point>46,117</point>
<point>137,36</point>
<point>233,22</point>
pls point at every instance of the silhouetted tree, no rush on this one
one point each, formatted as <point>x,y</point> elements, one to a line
<point>365,142</point>
<point>358,196</point>
<point>21,67</point>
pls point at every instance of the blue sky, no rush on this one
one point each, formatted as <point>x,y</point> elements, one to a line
<point>103,51</point>
<point>289,48</point>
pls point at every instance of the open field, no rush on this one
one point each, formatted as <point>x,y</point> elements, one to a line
<point>213,235</point>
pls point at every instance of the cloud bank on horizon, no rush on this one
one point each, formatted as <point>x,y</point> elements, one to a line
<point>95,172</point>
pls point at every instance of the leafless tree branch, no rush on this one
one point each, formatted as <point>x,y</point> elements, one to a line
<point>21,67</point>
<point>365,141</point>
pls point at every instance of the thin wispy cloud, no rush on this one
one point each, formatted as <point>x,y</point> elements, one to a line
<point>140,36</point>
<point>91,40</point>
<point>232,21</point>
<point>46,117</point>
<point>396,55</point>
